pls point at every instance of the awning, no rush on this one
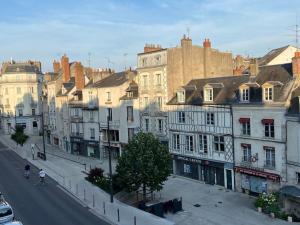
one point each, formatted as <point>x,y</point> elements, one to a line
<point>290,191</point>
<point>244,120</point>
<point>253,172</point>
<point>264,121</point>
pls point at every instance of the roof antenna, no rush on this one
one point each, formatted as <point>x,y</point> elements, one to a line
<point>188,32</point>
<point>125,55</point>
<point>89,60</point>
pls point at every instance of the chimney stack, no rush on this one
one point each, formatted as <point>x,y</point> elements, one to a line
<point>56,66</point>
<point>296,65</point>
<point>151,48</point>
<point>79,77</point>
<point>65,68</point>
<point>207,43</point>
<point>253,67</point>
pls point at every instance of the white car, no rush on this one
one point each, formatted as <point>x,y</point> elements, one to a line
<point>14,223</point>
<point>6,212</point>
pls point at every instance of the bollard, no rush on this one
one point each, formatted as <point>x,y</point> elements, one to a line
<point>104,208</point>
<point>90,167</point>
<point>85,167</point>
<point>134,220</point>
<point>70,184</point>
<point>84,194</point>
<point>76,189</point>
<point>118,215</point>
<point>64,182</point>
<point>93,200</point>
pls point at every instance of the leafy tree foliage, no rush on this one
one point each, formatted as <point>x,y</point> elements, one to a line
<point>145,163</point>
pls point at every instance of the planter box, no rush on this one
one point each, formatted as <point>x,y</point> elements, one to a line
<point>290,219</point>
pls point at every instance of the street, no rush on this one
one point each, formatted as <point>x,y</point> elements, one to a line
<point>36,204</point>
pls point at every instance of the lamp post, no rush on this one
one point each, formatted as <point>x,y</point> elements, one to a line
<point>43,130</point>
<point>109,158</point>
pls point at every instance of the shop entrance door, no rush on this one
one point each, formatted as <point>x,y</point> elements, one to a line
<point>229,179</point>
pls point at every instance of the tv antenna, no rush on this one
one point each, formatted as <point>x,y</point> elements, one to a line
<point>89,59</point>
<point>125,56</point>
<point>188,31</point>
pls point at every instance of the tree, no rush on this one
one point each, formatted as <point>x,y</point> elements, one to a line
<point>145,163</point>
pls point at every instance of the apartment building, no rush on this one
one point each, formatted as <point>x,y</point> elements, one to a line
<point>20,97</point>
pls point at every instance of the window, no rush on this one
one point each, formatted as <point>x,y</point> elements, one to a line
<point>113,135</point>
<point>144,61</point>
<point>92,132</point>
<point>203,143</point>
<point>20,112</point>
<point>269,129</point>
<point>157,59</point>
<point>19,100</point>
<point>245,95</point>
<point>159,102</point>
<point>245,122</point>
<point>298,178</point>
<point>33,112</point>
<point>108,95</point>
<point>270,157</point>
<point>158,79</point>
<point>219,143</point>
<point>181,96</point>
<point>208,94</point>
<point>210,118</point>
<point>109,114</point>
<point>91,115</point>
<point>129,94</point>
<point>189,143</point>
<point>246,152</point>
<point>6,91</point>
<point>181,117</point>
<point>145,81</point>
<point>176,142</point>
<point>129,113</point>
<point>160,125</point>
<point>268,93</point>
<point>76,112</point>
<point>18,90</point>
<point>146,102</point>
<point>130,133</point>
<point>31,90</point>
<point>147,124</point>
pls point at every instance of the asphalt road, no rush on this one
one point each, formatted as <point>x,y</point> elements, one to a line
<point>36,204</point>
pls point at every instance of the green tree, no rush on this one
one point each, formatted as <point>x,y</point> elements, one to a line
<point>145,163</point>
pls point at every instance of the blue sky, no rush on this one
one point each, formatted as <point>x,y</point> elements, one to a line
<point>44,30</point>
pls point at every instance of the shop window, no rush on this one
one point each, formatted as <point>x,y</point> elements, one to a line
<point>219,143</point>
<point>210,118</point>
<point>34,124</point>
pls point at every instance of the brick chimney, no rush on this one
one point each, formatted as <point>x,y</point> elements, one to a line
<point>186,41</point>
<point>56,66</point>
<point>79,77</point>
<point>65,68</point>
<point>296,64</point>
<point>151,48</point>
<point>206,43</point>
<point>253,67</point>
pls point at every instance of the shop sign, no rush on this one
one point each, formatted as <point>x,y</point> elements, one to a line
<point>270,176</point>
<point>184,158</point>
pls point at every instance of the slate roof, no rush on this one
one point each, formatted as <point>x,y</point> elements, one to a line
<point>133,87</point>
<point>271,55</point>
<point>21,68</point>
<point>113,80</point>
<point>227,90</point>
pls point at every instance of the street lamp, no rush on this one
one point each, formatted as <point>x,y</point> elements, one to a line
<point>43,130</point>
<point>109,158</point>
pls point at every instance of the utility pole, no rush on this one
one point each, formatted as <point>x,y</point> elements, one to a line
<point>109,158</point>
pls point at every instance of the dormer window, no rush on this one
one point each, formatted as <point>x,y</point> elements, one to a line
<point>181,96</point>
<point>268,93</point>
<point>208,94</point>
<point>244,94</point>
<point>129,94</point>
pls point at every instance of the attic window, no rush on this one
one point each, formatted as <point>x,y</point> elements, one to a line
<point>129,94</point>
<point>181,96</point>
<point>208,95</point>
<point>244,93</point>
<point>268,94</point>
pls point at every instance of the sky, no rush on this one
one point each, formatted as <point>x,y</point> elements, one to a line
<point>111,32</point>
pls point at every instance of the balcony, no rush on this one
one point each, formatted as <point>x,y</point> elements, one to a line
<point>76,134</point>
<point>76,119</point>
<point>113,124</point>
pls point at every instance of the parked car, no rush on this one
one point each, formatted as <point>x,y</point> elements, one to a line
<point>6,211</point>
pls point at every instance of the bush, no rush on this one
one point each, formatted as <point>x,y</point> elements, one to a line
<point>19,135</point>
<point>95,175</point>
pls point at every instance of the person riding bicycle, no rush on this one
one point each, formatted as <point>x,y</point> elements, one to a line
<point>27,170</point>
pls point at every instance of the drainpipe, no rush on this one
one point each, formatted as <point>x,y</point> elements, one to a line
<point>233,147</point>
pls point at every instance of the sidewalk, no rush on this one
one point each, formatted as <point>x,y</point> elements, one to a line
<point>71,176</point>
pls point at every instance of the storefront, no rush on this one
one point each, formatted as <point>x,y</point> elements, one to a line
<point>255,181</point>
<point>77,146</point>
<point>92,149</point>
<point>211,172</point>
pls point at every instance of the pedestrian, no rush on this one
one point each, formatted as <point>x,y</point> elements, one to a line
<point>32,151</point>
<point>42,175</point>
<point>27,171</point>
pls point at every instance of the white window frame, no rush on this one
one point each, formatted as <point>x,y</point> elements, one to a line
<point>247,155</point>
<point>159,102</point>
<point>245,94</point>
<point>176,142</point>
<point>219,141</point>
<point>181,96</point>
<point>158,79</point>
<point>268,94</point>
<point>210,118</point>
<point>181,117</point>
<point>203,147</point>
<point>108,96</point>
<point>92,132</point>
<point>147,124</point>
<point>208,94</point>
<point>160,125</point>
<point>189,143</point>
